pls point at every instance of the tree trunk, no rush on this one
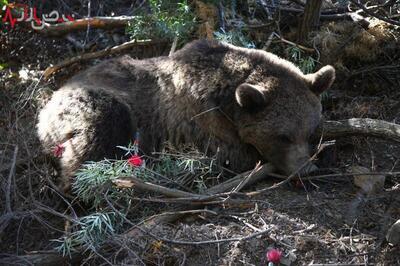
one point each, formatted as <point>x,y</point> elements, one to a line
<point>310,19</point>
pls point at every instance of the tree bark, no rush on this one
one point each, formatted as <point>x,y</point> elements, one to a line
<point>310,19</point>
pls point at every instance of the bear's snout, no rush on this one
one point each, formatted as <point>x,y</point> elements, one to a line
<point>297,159</point>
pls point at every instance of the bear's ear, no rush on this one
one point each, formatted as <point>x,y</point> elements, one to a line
<point>321,80</point>
<point>250,97</point>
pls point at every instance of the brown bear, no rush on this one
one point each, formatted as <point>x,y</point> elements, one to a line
<point>248,104</point>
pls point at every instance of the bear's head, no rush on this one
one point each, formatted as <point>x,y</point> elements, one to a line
<point>279,113</point>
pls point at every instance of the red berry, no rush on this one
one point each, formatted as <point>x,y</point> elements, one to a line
<point>274,256</point>
<point>135,160</point>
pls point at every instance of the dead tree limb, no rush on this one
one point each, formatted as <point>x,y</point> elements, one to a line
<point>207,242</point>
<point>133,182</point>
<point>236,182</point>
<point>362,126</point>
<point>61,29</point>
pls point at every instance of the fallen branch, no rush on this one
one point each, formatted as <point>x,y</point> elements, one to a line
<point>62,29</point>
<point>314,177</point>
<point>361,126</point>
<point>133,182</point>
<point>206,242</point>
<point>231,186</point>
<point>223,199</point>
<point>182,197</point>
<point>202,211</point>
<point>109,51</point>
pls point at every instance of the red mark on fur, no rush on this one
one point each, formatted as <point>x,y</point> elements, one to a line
<point>135,161</point>
<point>274,256</point>
<point>58,150</point>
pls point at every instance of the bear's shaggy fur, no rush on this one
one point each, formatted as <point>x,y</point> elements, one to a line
<point>248,104</point>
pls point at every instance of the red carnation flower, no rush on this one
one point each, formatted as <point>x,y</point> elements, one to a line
<point>135,160</point>
<point>274,256</point>
<point>58,150</point>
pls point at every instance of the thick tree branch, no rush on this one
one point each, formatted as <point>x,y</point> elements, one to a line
<point>62,29</point>
<point>133,182</point>
<point>362,126</point>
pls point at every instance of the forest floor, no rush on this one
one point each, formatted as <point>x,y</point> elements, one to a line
<point>323,221</point>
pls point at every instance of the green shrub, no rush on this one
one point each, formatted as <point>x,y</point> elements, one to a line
<point>166,20</point>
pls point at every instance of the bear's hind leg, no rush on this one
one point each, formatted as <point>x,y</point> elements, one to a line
<point>86,125</point>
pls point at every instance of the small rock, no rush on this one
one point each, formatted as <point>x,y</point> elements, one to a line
<point>368,183</point>
<point>393,235</point>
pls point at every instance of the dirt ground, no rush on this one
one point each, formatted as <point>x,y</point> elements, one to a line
<point>325,221</point>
